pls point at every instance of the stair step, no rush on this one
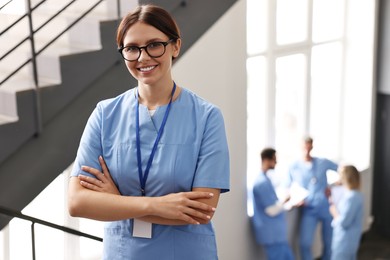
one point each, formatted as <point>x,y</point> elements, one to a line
<point>8,107</point>
<point>7,119</point>
<point>22,83</point>
<point>48,62</point>
<point>83,37</point>
<point>8,91</point>
<point>85,34</point>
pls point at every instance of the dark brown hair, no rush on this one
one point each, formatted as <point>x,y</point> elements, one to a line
<point>152,15</point>
<point>267,153</point>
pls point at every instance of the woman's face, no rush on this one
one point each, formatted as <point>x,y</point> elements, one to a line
<point>148,70</point>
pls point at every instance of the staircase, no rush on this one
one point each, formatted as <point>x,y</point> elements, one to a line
<point>42,118</point>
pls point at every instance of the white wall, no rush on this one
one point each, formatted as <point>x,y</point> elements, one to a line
<point>215,68</point>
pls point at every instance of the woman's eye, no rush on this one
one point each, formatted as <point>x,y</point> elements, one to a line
<point>131,49</point>
<point>154,45</point>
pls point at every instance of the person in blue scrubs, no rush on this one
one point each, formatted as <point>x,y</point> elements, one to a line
<point>153,161</point>
<point>347,217</point>
<point>269,220</point>
<point>310,173</point>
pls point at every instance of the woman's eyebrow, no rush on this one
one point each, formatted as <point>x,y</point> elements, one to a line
<point>146,43</point>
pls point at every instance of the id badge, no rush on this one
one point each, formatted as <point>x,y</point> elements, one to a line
<point>142,229</point>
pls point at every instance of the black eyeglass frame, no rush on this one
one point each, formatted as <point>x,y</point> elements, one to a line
<point>145,47</point>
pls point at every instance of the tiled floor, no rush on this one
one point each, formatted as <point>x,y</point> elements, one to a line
<point>374,247</point>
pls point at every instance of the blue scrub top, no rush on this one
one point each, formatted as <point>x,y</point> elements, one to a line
<point>192,152</point>
<point>313,178</point>
<point>268,230</point>
<point>347,228</point>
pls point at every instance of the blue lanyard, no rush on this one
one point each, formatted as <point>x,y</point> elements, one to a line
<point>144,177</point>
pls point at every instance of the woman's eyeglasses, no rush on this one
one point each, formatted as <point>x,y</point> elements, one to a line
<point>153,49</point>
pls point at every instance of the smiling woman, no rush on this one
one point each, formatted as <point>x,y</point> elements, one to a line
<point>153,161</point>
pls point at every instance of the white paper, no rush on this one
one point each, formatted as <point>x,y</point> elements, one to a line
<point>142,229</point>
<point>297,195</point>
<point>332,177</point>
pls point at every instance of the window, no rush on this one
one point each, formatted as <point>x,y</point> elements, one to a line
<point>309,71</point>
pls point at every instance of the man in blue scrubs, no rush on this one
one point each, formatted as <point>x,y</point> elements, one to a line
<point>310,173</point>
<point>269,220</point>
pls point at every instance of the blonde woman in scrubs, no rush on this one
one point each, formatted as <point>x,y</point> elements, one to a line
<point>347,217</point>
<point>166,151</point>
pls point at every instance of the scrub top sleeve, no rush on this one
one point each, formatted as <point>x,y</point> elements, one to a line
<point>90,144</point>
<point>213,166</point>
<point>332,166</point>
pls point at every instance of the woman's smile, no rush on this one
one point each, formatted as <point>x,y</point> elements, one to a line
<point>147,69</point>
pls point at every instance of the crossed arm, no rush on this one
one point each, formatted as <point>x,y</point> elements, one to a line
<point>98,198</point>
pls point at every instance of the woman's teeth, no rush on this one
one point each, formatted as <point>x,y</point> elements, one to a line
<point>147,68</point>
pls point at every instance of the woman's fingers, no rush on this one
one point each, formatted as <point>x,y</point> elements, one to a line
<point>197,214</point>
<point>106,172</point>
<point>200,206</point>
<point>90,180</point>
<point>183,206</point>
<point>198,195</point>
<point>97,173</point>
<point>103,181</point>
<point>194,195</point>
<point>90,183</point>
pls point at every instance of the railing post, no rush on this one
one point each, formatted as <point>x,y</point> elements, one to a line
<point>33,239</point>
<point>38,115</point>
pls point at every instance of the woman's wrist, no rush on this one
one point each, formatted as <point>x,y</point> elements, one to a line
<point>148,207</point>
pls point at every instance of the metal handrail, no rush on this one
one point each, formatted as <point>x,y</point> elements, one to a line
<point>20,18</point>
<point>5,4</point>
<point>31,37</point>
<point>69,26</point>
<point>17,214</point>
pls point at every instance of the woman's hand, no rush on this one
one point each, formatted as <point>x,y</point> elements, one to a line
<point>103,181</point>
<point>333,211</point>
<point>182,206</point>
<point>172,209</point>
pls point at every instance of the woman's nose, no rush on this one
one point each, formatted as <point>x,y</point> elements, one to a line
<point>144,55</point>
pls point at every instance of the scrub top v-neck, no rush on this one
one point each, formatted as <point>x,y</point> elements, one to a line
<point>191,153</point>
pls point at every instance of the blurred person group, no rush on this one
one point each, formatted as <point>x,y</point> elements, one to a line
<point>341,220</point>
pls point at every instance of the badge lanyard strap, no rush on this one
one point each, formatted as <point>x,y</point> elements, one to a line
<point>144,177</point>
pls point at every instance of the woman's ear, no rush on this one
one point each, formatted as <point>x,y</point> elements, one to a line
<point>176,48</point>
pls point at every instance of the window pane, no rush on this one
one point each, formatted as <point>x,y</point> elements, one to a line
<point>325,99</point>
<point>256,121</point>
<point>49,243</point>
<point>289,106</point>
<point>328,17</point>
<point>256,26</point>
<point>357,95</point>
<point>20,238</point>
<point>291,21</point>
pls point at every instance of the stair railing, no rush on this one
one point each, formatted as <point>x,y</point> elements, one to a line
<point>5,4</point>
<point>34,52</point>
<point>16,214</point>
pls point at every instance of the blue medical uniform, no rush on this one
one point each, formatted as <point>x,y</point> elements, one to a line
<point>192,152</point>
<point>316,208</point>
<point>270,232</point>
<point>347,227</point>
